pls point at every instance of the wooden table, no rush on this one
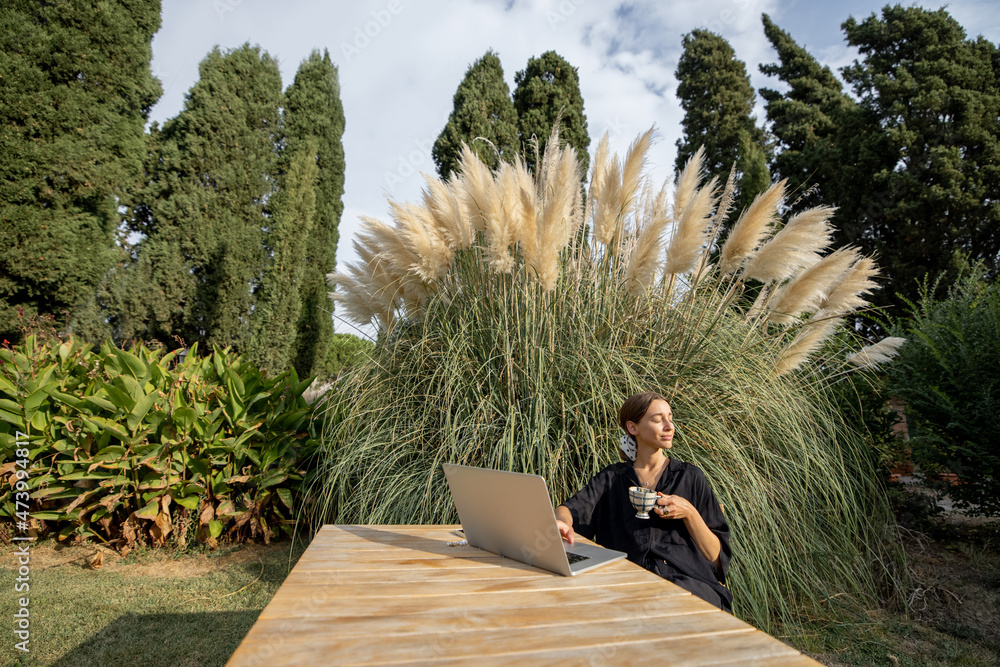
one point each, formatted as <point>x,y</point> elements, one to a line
<point>380,595</point>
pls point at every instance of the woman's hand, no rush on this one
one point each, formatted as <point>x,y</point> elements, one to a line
<point>565,531</point>
<point>677,507</point>
<point>674,507</point>
<point>564,521</point>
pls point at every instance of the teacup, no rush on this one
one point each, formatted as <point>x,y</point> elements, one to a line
<point>643,500</point>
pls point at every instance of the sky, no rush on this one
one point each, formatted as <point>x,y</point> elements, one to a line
<point>400,61</point>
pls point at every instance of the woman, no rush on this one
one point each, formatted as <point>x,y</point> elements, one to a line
<point>686,538</point>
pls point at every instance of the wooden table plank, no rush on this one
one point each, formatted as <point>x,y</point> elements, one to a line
<point>488,641</point>
<point>681,644</point>
<point>744,648</point>
<point>345,622</point>
<point>370,595</point>
<point>306,601</point>
<point>345,586</point>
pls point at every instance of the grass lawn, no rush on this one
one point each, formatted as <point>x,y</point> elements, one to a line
<point>161,607</point>
<point>154,607</point>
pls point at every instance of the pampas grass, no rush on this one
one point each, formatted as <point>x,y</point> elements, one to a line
<point>796,245</point>
<point>632,171</point>
<point>617,190</point>
<point>872,356</point>
<point>752,227</point>
<point>643,259</point>
<point>691,234</point>
<point>529,220</point>
<point>605,192</point>
<point>519,355</point>
<point>848,292</point>
<point>810,288</point>
<point>687,181</point>
<point>430,254</point>
<point>809,339</point>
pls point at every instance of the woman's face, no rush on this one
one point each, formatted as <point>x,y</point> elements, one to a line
<point>656,427</point>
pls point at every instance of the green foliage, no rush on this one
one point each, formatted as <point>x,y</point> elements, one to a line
<point>344,352</point>
<point>483,117</point>
<point>313,111</point>
<point>238,217</point>
<point>547,92</point>
<point>949,376</point>
<point>932,102</point>
<point>279,302</point>
<point>808,121</point>
<point>914,164</point>
<point>863,400</point>
<point>715,93</point>
<point>75,92</point>
<point>499,373</point>
<point>211,172</point>
<point>125,444</point>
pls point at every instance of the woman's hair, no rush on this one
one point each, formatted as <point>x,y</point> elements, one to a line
<point>633,409</point>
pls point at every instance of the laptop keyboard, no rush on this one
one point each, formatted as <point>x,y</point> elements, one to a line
<point>575,558</point>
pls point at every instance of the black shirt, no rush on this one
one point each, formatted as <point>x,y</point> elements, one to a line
<point>602,512</point>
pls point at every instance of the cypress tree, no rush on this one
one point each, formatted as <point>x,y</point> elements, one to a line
<point>914,164</point>
<point>931,104</point>
<point>279,303</point>
<point>212,172</point>
<point>715,93</point>
<point>314,113</point>
<point>547,91</point>
<point>806,120</point>
<point>75,93</point>
<point>482,111</point>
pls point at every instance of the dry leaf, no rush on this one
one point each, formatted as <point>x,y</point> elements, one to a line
<point>207,515</point>
<point>162,527</point>
<point>96,561</point>
<point>130,529</point>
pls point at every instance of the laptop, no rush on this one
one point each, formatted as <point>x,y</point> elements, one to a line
<point>510,514</point>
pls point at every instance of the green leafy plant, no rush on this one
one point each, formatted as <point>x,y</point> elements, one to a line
<point>948,373</point>
<point>134,444</point>
<point>345,350</point>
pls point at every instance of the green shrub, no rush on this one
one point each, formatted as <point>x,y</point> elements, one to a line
<point>344,351</point>
<point>129,445</point>
<point>948,373</point>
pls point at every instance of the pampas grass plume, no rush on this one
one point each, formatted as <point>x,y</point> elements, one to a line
<point>687,181</point>
<point>369,288</point>
<point>689,236</point>
<point>635,162</point>
<point>483,203</point>
<point>805,292</point>
<point>795,246</point>
<point>606,212</point>
<point>808,340</point>
<point>559,218</point>
<point>444,203</point>
<point>643,260</point>
<point>877,354</point>
<point>847,294</point>
<point>417,231</point>
<point>751,228</point>
<point>597,176</point>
